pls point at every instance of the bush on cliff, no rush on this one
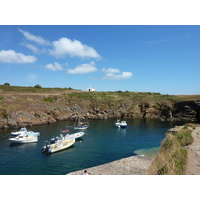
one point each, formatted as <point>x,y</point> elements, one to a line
<point>172,158</point>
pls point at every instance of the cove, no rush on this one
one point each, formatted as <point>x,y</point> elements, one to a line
<point>102,143</point>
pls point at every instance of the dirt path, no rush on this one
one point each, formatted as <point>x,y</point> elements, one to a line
<point>193,162</point>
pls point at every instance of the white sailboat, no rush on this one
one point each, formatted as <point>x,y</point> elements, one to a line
<point>80,124</point>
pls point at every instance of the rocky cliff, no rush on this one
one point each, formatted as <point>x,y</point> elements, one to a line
<point>19,110</point>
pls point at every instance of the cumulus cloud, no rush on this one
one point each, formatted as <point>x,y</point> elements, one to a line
<point>123,75</point>
<point>83,69</point>
<point>60,48</point>
<point>11,56</point>
<point>54,67</point>
<point>75,48</point>
<point>115,74</point>
<point>38,39</point>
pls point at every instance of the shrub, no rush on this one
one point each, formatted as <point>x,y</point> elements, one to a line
<point>50,99</point>
<point>8,84</point>
<point>38,86</point>
<point>172,158</point>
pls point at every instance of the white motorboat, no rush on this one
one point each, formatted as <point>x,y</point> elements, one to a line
<point>24,131</point>
<point>117,124</point>
<point>121,124</point>
<point>24,138</point>
<point>57,146</point>
<point>67,137</point>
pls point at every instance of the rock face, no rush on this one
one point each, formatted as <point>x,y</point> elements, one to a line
<point>16,111</point>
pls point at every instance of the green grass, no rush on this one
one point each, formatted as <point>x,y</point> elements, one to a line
<point>172,158</point>
<point>50,99</point>
<point>107,96</point>
<point>7,88</point>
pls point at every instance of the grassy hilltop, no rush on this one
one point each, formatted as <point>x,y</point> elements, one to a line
<point>112,96</point>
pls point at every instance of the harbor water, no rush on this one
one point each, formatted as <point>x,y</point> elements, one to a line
<point>102,143</point>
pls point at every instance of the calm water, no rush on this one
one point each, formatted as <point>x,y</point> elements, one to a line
<point>101,143</point>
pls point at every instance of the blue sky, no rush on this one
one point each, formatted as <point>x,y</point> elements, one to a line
<point>163,59</point>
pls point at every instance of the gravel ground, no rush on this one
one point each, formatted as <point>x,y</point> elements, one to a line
<point>134,165</point>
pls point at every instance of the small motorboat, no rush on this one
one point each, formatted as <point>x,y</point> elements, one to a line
<point>117,124</point>
<point>121,124</point>
<point>24,138</point>
<point>24,131</point>
<point>57,146</point>
<point>67,137</point>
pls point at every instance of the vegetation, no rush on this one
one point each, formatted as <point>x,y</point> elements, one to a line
<point>172,157</point>
<point>133,96</point>
<point>37,86</point>
<point>8,84</point>
<point>50,99</point>
<point>35,89</point>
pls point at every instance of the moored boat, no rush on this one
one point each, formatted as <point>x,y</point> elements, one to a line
<point>67,137</point>
<point>57,146</point>
<point>24,138</point>
<point>24,131</point>
<point>80,123</point>
<point>121,124</point>
<point>117,124</point>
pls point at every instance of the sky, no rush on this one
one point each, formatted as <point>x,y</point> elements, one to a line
<point>135,58</point>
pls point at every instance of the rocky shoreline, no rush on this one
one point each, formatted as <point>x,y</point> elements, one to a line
<point>134,165</point>
<point>29,110</point>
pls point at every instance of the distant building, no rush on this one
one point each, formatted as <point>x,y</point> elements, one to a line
<point>90,89</point>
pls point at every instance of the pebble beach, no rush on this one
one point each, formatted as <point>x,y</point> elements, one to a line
<point>134,165</point>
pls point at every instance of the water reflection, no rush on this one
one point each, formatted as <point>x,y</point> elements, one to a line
<point>23,145</point>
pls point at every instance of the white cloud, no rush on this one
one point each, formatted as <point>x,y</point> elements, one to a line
<point>32,77</point>
<point>32,47</point>
<point>83,69</point>
<point>11,56</point>
<point>122,76</point>
<point>37,39</point>
<point>65,46</point>
<point>115,74</point>
<point>54,67</point>
<point>110,70</point>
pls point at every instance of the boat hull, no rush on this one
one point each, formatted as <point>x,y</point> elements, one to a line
<point>80,127</point>
<point>59,146</point>
<point>21,141</point>
<point>74,135</point>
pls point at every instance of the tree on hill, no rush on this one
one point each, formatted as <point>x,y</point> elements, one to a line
<point>8,84</point>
